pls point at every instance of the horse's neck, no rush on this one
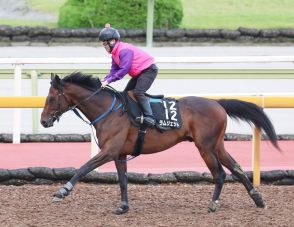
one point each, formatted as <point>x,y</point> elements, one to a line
<point>95,106</point>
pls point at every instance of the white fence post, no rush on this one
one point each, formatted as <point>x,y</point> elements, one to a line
<point>16,113</point>
<point>150,15</point>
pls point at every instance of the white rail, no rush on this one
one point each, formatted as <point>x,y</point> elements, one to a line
<point>231,59</point>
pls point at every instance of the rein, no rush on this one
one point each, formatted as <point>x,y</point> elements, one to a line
<point>84,100</point>
<point>57,114</point>
<point>102,115</point>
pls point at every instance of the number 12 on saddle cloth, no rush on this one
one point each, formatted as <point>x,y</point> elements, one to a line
<point>166,111</point>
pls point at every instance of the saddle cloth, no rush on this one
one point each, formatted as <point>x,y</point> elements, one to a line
<point>165,111</point>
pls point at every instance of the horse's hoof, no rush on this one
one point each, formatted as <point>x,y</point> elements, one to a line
<point>260,202</point>
<point>62,193</point>
<point>122,210</point>
<point>56,199</point>
<point>212,207</point>
<point>211,210</point>
<point>257,198</point>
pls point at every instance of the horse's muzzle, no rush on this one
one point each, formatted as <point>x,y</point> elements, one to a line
<point>47,124</point>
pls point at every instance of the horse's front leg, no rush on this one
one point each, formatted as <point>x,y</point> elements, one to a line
<point>101,158</point>
<point>121,167</point>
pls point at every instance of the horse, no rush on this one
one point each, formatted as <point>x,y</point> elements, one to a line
<point>204,123</point>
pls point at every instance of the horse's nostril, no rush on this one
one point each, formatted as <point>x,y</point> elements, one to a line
<point>44,123</point>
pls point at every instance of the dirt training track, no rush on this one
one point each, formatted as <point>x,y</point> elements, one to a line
<point>150,205</point>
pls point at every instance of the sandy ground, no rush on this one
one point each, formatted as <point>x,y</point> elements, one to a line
<point>150,205</point>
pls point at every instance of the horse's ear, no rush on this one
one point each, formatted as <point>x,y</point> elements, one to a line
<point>55,80</point>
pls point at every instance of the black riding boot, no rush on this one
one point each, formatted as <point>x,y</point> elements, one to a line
<point>147,111</point>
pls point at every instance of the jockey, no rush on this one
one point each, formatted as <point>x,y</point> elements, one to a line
<point>128,59</point>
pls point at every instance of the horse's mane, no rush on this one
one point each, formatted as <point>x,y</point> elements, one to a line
<point>83,80</point>
<point>88,82</point>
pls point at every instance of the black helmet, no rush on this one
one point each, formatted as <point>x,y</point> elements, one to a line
<point>108,33</point>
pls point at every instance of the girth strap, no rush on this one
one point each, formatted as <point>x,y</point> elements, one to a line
<point>140,140</point>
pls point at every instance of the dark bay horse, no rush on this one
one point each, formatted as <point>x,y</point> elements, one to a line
<point>204,122</point>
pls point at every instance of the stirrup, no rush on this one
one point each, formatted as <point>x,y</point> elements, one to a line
<point>149,121</point>
<point>146,120</point>
<point>140,119</point>
<point>160,128</point>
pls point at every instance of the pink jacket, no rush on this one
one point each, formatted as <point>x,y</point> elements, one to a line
<point>127,58</point>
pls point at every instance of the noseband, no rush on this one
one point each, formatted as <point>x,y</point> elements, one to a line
<point>57,114</point>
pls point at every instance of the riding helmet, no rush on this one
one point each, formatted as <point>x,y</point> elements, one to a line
<point>108,33</point>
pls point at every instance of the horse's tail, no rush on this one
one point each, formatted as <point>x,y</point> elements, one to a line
<point>250,113</point>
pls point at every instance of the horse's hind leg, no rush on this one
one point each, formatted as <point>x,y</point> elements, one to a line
<point>217,172</point>
<point>121,167</point>
<point>229,162</point>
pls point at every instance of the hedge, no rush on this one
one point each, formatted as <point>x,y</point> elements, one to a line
<point>120,14</point>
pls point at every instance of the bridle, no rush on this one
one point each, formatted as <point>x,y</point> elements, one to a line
<point>58,113</point>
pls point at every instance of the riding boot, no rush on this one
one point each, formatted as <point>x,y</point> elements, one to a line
<point>147,111</point>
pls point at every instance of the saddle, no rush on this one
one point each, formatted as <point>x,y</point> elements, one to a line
<point>165,111</point>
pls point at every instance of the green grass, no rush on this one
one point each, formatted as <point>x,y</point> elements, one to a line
<point>48,6</point>
<point>232,14</point>
<point>14,23</point>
